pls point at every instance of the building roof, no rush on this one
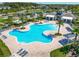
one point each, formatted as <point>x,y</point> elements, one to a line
<point>50,15</point>
<point>17,21</point>
<point>68,15</point>
<point>65,15</point>
<point>4,7</point>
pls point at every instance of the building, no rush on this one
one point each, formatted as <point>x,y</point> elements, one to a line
<point>17,21</point>
<point>35,15</point>
<point>4,16</point>
<point>5,7</point>
<point>51,16</point>
<point>66,16</point>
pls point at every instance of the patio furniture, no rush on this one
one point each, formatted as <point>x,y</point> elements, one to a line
<point>22,52</point>
<point>65,41</point>
<point>69,35</point>
<point>3,36</point>
<point>69,29</point>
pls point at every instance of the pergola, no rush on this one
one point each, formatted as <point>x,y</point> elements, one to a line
<point>50,17</point>
<point>66,19</point>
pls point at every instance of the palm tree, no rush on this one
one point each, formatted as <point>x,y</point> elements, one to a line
<point>76,32</point>
<point>74,46</point>
<point>21,19</point>
<point>76,22</point>
<point>60,22</point>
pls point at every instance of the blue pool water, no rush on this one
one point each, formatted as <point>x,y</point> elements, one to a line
<point>35,34</point>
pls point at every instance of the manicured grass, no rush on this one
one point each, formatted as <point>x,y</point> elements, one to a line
<point>1,26</point>
<point>61,52</point>
<point>4,51</point>
<point>2,20</point>
<point>57,53</point>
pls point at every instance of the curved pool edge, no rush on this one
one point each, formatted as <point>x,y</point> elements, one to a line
<point>33,41</point>
<point>24,43</point>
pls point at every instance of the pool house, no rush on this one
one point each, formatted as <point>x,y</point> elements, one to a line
<point>67,17</point>
<point>51,16</point>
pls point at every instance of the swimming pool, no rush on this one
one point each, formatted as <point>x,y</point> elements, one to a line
<point>35,34</point>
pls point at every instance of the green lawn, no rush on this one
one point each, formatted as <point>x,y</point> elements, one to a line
<point>2,20</point>
<point>60,52</point>
<point>57,53</point>
<point>4,51</point>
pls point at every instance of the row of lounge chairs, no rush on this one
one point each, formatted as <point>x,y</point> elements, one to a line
<point>69,35</point>
<point>3,36</point>
<point>68,39</point>
<point>22,52</point>
<point>65,41</point>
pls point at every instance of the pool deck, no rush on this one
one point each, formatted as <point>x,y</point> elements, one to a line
<point>36,49</point>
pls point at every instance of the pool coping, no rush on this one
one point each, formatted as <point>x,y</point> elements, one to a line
<point>28,30</point>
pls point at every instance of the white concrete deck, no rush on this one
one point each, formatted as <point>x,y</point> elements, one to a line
<point>36,49</point>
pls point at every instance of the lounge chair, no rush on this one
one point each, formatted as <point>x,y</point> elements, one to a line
<point>3,36</point>
<point>69,35</point>
<point>69,29</point>
<point>23,53</point>
<point>65,41</point>
<point>20,50</point>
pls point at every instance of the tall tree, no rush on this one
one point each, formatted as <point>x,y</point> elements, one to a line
<point>76,32</point>
<point>60,22</point>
